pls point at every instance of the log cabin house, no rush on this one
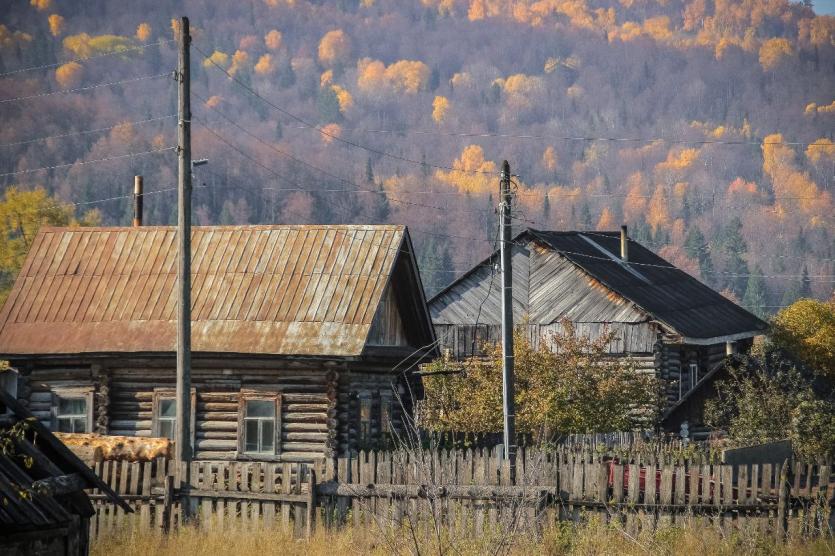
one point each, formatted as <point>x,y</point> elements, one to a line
<point>43,507</point>
<point>297,334</point>
<point>666,321</point>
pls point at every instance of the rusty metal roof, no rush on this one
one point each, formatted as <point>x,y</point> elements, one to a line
<point>291,290</point>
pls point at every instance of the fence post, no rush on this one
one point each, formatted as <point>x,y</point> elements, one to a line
<point>311,504</point>
<point>784,501</point>
<point>167,502</point>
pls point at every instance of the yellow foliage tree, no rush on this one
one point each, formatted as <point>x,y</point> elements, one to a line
<point>472,173</point>
<point>41,5</point>
<point>408,76</point>
<point>217,58</point>
<point>273,39</point>
<point>69,74</point>
<point>806,328</point>
<point>774,51</point>
<point>658,215</point>
<point>334,48</point>
<point>346,101</point>
<point>331,132</point>
<point>635,203</point>
<point>265,65</point>
<point>214,101</point>
<point>370,74</point>
<point>679,160</point>
<point>239,60</point>
<point>476,10</point>
<point>56,25</point>
<point>9,38</point>
<point>607,220</point>
<point>143,32</point>
<point>439,108</point>
<point>22,213</point>
<point>820,151</point>
<point>404,76</point>
<point>84,45</point>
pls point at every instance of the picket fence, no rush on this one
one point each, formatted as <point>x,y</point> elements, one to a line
<point>472,488</point>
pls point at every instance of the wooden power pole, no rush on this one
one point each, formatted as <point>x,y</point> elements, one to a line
<point>508,401</point>
<point>182,442</point>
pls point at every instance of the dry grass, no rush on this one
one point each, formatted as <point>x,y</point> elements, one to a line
<point>592,538</point>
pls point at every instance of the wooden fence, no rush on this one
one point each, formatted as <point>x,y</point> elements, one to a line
<point>475,487</point>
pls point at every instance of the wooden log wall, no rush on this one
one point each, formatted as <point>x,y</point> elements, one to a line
<point>304,407</point>
<point>123,403</point>
<point>355,385</point>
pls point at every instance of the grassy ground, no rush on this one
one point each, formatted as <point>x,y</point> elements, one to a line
<point>590,539</point>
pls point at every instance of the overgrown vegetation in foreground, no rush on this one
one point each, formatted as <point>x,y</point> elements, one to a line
<point>589,539</point>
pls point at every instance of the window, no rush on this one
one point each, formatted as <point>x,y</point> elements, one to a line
<point>164,416</point>
<point>385,413</point>
<point>259,429</point>
<point>694,374</point>
<point>71,414</point>
<point>167,418</point>
<point>365,417</point>
<point>72,409</point>
<point>259,424</point>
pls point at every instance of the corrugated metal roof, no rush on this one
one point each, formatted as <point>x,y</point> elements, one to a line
<point>578,275</point>
<point>292,290</point>
<point>669,294</point>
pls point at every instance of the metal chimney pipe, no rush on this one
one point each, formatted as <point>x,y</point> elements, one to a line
<point>137,201</point>
<point>624,244</point>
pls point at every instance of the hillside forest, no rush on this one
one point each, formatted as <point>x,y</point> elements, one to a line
<point>705,125</point>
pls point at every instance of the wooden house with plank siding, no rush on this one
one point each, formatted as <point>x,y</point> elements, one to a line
<point>666,321</point>
<point>297,332</point>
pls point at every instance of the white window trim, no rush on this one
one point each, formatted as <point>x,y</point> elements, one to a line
<point>252,395</point>
<point>85,392</point>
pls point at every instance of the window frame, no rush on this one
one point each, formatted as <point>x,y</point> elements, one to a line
<point>171,394</point>
<point>72,392</point>
<point>259,395</point>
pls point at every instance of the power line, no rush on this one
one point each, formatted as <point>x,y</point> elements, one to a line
<point>83,162</point>
<point>89,87</point>
<point>333,136</point>
<point>485,135</point>
<point>300,188</point>
<point>87,132</point>
<point>85,59</point>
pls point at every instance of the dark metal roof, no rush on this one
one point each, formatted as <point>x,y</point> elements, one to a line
<point>41,480</point>
<point>286,290</point>
<point>670,295</point>
<point>580,276</point>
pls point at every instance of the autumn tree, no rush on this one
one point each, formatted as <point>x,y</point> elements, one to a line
<point>568,384</point>
<point>766,397</point>
<point>334,48</point>
<point>22,213</point>
<point>807,330</point>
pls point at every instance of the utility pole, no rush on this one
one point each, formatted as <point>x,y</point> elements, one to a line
<point>182,442</point>
<point>508,401</point>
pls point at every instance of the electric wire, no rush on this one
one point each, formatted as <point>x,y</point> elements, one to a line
<point>87,131</point>
<point>87,88</point>
<point>87,58</point>
<point>83,162</point>
<point>333,136</point>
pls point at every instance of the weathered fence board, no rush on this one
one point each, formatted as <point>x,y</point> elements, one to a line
<point>468,489</point>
